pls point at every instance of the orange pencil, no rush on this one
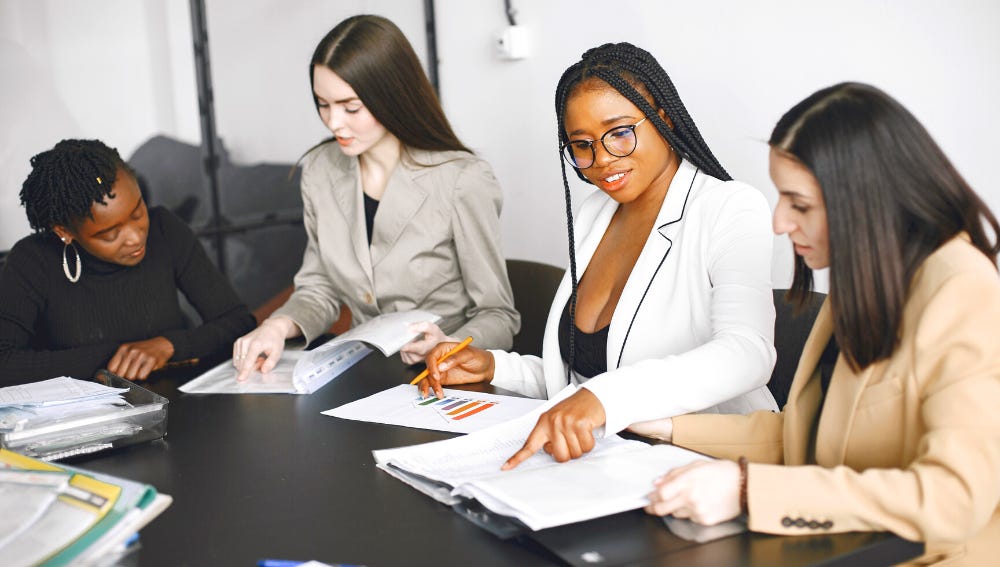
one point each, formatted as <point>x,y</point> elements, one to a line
<point>456,348</point>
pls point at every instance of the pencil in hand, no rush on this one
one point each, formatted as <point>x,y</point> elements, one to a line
<point>456,348</point>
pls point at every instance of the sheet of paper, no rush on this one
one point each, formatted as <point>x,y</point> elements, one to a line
<point>582,489</point>
<point>222,379</point>
<point>457,412</point>
<point>297,372</point>
<point>431,466</point>
<point>614,477</point>
<point>56,391</point>
<point>387,332</point>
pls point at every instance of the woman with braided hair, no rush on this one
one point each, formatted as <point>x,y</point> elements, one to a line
<point>671,311</point>
<point>96,285</point>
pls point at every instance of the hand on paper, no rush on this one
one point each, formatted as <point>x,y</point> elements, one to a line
<point>662,429</point>
<point>135,361</point>
<point>706,492</point>
<point>415,350</point>
<point>466,366</point>
<point>260,349</point>
<point>566,431</point>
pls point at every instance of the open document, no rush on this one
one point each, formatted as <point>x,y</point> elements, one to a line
<point>616,476</point>
<point>304,372</point>
<point>458,411</point>
<point>61,515</point>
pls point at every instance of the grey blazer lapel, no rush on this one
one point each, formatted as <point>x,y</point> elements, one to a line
<point>401,200</point>
<point>347,192</point>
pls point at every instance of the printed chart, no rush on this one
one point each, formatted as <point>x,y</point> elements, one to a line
<point>458,411</point>
<point>455,408</point>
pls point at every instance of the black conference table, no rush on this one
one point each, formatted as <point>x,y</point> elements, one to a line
<point>268,476</point>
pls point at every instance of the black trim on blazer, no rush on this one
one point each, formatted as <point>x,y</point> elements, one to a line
<point>657,271</point>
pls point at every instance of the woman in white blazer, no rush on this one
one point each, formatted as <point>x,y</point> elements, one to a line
<point>673,310</point>
<point>398,213</point>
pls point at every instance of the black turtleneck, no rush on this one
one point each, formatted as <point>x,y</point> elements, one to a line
<point>52,327</point>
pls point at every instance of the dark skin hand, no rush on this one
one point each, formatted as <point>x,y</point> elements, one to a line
<point>466,366</point>
<point>566,431</point>
<point>135,361</point>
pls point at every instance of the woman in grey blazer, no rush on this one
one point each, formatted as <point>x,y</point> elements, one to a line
<point>399,214</point>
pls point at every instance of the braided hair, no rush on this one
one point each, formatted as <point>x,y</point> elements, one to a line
<point>637,76</point>
<point>67,180</point>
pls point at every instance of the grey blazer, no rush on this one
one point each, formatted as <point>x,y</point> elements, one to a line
<point>435,246</point>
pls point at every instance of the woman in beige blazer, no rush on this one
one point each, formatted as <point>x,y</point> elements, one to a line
<point>399,214</point>
<point>899,432</point>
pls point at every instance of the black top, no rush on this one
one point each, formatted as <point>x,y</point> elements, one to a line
<point>51,327</point>
<point>827,362</point>
<point>371,207</point>
<point>590,350</point>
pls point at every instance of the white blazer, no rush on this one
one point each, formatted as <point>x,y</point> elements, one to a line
<point>693,330</point>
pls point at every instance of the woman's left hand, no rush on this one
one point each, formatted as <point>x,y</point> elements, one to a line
<point>706,492</point>
<point>566,431</point>
<point>135,361</point>
<point>414,351</point>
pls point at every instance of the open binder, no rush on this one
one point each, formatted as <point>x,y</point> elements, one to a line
<point>616,476</point>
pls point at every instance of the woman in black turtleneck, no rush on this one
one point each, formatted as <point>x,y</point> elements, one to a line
<point>96,285</point>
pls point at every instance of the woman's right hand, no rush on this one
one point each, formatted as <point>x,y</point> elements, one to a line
<point>464,367</point>
<point>260,349</point>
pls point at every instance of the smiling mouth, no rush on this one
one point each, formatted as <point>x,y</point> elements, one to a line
<point>614,182</point>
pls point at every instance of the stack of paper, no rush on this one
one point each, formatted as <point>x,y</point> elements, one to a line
<point>59,394</point>
<point>615,476</point>
<point>304,372</point>
<point>61,417</point>
<point>61,515</point>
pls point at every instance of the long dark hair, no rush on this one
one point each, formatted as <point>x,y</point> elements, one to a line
<point>888,188</point>
<point>373,56</point>
<point>67,180</point>
<point>637,76</point>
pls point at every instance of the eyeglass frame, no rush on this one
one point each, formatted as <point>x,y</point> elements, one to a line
<point>592,143</point>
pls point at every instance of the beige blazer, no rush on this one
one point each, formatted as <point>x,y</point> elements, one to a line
<point>435,246</point>
<point>910,444</point>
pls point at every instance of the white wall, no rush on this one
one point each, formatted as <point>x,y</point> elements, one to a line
<point>260,52</point>
<point>121,71</point>
<point>737,65</point>
<point>117,70</point>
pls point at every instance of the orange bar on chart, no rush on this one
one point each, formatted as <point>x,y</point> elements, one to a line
<point>461,409</point>
<point>474,411</point>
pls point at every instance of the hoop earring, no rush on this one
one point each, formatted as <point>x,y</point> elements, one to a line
<point>79,264</point>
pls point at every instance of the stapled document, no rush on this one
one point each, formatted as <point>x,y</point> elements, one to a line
<point>304,372</point>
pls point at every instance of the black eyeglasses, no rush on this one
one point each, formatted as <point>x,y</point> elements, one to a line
<point>619,142</point>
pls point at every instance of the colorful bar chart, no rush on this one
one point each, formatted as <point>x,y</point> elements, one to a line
<point>454,408</point>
